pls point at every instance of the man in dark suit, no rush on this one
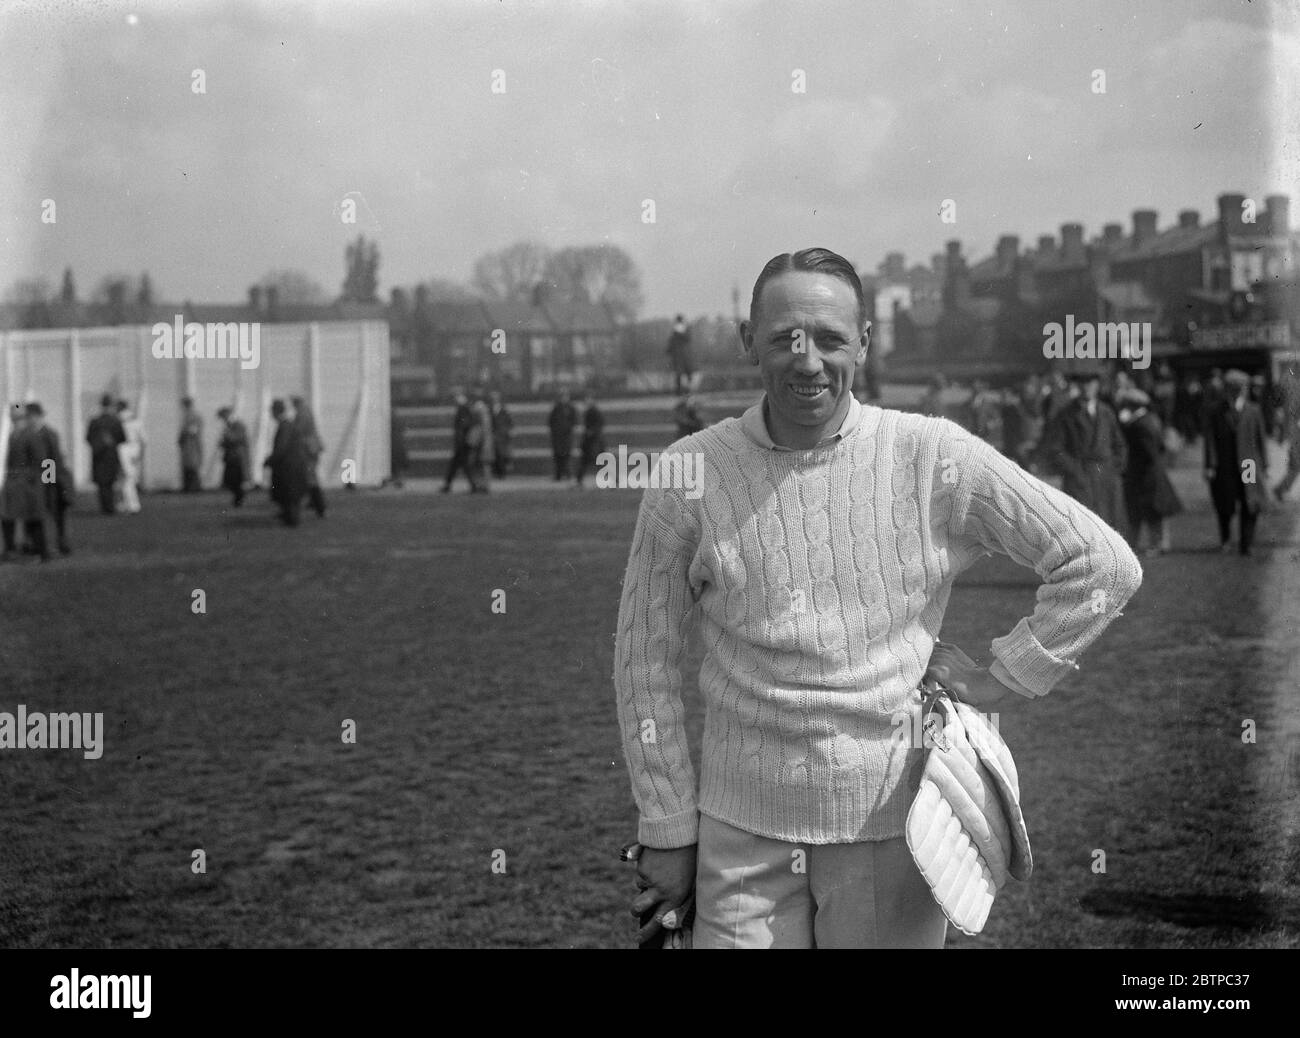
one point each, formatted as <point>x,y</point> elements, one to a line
<point>236,469</point>
<point>55,489</point>
<point>312,448</point>
<point>461,448</point>
<point>1086,446</point>
<point>1235,461</point>
<point>20,491</point>
<point>288,464</point>
<point>503,425</point>
<point>104,434</point>
<point>593,437</point>
<point>563,417</point>
<point>679,355</point>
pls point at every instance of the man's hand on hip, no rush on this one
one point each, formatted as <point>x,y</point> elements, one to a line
<point>667,883</point>
<point>967,680</point>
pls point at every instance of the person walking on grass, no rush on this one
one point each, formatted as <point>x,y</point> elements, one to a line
<point>680,358</point>
<point>482,445</point>
<point>236,468</point>
<point>1289,433</point>
<point>57,491</point>
<point>1149,495</point>
<point>312,449</point>
<point>503,424</point>
<point>104,435</point>
<point>593,437</point>
<point>190,441</point>
<point>129,452</point>
<point>288,464</point>
<point>461,424</point>
<point>562,419</point>
<point>20,506</point>
<point>1236,461</point>
<point>1086,446</point>
<point>816,565</point>
<point>686,415</point>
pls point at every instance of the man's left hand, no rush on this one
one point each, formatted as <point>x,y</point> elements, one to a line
<point>967,680</point>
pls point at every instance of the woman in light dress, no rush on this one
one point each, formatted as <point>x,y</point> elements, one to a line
<point>129,453</point>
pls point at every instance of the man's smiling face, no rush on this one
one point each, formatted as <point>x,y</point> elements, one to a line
<point>807,339</point>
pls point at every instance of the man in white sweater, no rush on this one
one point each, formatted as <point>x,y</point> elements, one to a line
<point>817,564</point>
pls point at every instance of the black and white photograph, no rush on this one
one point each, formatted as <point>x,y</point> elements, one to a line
<point>659,475</point>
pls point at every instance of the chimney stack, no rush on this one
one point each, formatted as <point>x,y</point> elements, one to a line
<point>1279,214</point>
<point>1230,213</point>
<point>1144,225</point>
<point>1189,218</point>
<point>1046,245</point>
<point>255,299</point>
<point>1112,234</point>
<point>1072,242</point>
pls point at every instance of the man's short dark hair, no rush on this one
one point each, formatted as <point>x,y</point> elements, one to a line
<point>818,261</point>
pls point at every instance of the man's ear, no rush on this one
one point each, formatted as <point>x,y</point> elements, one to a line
<point>864,342</point>
<point>747,340</point>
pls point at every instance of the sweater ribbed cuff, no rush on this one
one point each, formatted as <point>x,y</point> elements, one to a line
<point>665,834</point>
<point>1028,662</point>
<point>1003,675</point>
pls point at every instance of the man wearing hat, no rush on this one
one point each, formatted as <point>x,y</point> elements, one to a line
<point>53,479</point>
<point>18,493</point>
<point>288,464</point>
<point>190,441</point>
<point>679,354</point>
<point>236,467</point>
<point>1148,493</point>
<point>1087,447</point>
<point>104,434</point>
<point>1235,461</point>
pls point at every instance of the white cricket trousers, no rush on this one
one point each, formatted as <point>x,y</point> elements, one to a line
<point>754,892</point>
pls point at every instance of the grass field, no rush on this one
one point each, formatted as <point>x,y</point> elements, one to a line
<point>479,732</point>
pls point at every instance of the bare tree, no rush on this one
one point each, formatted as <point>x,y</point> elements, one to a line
<point>116,288</point>
<point>602,274</point>
<point>29,291</point>
<point>512,273</point>
<point>292,287</point>
<point>32,297</point>
<point>444,290</point>
<point>362,280</point>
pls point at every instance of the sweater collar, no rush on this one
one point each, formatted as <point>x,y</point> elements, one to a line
<point>754,425</point>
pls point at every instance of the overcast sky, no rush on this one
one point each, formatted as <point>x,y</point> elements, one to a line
<point>606,105</point>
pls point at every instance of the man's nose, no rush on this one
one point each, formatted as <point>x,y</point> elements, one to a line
<point>807,361</point>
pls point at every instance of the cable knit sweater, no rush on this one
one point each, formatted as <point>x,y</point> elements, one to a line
<point>819,580</point>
